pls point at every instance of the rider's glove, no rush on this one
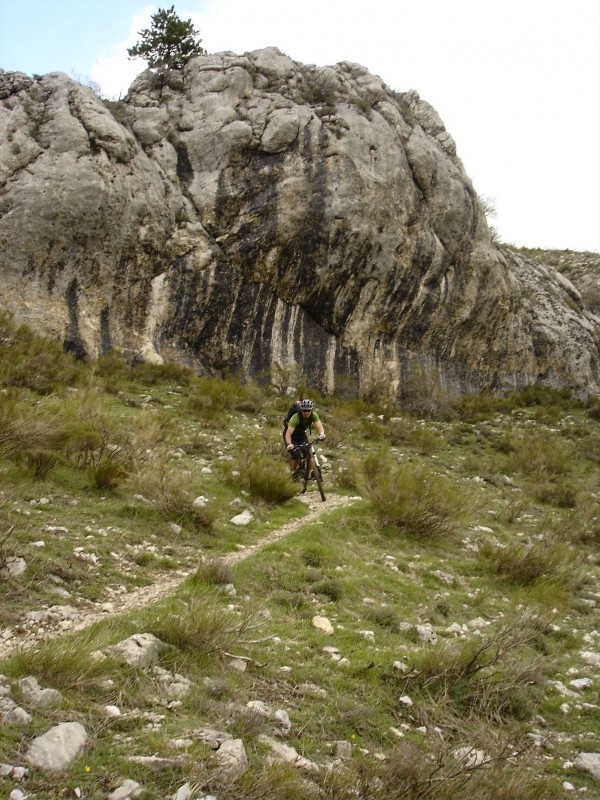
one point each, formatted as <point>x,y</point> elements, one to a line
<point>290,447</point>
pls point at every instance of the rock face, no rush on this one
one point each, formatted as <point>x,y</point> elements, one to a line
<point>251,211</point>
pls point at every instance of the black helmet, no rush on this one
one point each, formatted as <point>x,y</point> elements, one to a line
<point>306,405</point>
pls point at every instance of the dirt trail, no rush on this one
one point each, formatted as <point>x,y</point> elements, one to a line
<point>151,594</point>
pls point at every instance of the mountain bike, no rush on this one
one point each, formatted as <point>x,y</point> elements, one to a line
<point>308,466</point>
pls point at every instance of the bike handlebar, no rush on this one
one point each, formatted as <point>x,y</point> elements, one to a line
<point>306,445</point>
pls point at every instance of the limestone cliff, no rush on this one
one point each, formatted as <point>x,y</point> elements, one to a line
<point>250,210</point>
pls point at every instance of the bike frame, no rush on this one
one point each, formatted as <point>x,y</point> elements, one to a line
<point>308,462</point>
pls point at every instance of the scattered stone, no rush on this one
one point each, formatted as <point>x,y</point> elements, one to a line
<point>212,738</point>
<point>56,748</point>
<point>322,624</point>
<point>10,712</point>
<point>405,700</point>
<point>591,658</point>
<point>470,757</point>
<point>581,683</point>
<point>13,567</point>
<point>127,789</point>
<point>589,762</point>
<point>174,684</point>
<point>245,518</point>
<point>232,760</point>
<point>37,697</point>
<point>343,750</point>
<point>283,752</point>
<point>427,634</point>
<point>139,650</point>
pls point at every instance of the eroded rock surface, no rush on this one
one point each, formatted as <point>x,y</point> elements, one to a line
<point>251,210</point>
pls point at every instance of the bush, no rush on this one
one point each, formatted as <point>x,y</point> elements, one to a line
<point>25,428</point>
<point>172,495</point>
<point>412,498</point>
<point>540,455</point>
<point>525,565</point>
<point>266,477</point>
<point>492,676</point>
<point>33,362</point>
<point>199,624</point>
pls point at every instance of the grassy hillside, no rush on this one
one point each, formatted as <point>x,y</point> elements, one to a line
<point>460,582</point>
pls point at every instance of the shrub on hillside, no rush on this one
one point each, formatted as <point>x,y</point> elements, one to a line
<point>539,455</point>
<point>32,362</point>
<point>526,564</point>
<point>265,476</point>
<point>411,497</point>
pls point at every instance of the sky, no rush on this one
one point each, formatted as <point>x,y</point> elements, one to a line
<point>516,82</point>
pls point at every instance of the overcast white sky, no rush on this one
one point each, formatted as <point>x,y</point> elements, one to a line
<point>516,82</point>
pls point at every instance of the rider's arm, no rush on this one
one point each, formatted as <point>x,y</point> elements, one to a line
<point>288,435</point>
<point>319,427</point>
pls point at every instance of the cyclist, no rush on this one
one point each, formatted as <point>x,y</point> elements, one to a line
<point>295,432</point>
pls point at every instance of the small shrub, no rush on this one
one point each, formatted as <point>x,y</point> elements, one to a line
<point>540,455</point>
<point>215,572</point>
<point>328,587</point>
<point>172,495</point>
<point>386,617</point>
<point>265,476</point>
<point>33,362</point>
<point>524,565</point>
<point>66,668</point>
<point>412,498</point>
<point>108,474</point>
<point>561,495</point>
<point>199,624</point>
<point>315,555</point>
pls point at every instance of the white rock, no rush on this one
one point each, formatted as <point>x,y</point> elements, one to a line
<point>183,793</point>
<point>591,658</point>
<point>322,624</point>
<point>58,747</point>
<point>283,752</point>
<point>13,566</point>
<point>112,711</point>
<point>262,709</point>
<point>127,789</point>
<point>405,700</point>
<point>470,757</point>
<point>245,518</point>
<point>282,719</point>
<point>37,697</point>
<point>581,683</point>
<point>427,634</point>
<point>232,759</point>
<point>589,762</point>
<point>140,650</point>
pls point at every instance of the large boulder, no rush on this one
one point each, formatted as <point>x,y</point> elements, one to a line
<point>251,211</point>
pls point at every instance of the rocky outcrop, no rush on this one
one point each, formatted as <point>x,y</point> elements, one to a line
<point>251,211</point>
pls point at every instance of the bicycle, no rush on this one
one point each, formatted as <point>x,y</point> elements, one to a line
<point>308,466</point>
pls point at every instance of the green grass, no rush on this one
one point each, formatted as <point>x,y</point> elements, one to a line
<point>485,518</point>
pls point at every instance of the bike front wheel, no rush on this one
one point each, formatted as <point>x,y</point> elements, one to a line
<point>312,467</point>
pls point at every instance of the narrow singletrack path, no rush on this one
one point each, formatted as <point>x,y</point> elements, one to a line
<point>157,591</point>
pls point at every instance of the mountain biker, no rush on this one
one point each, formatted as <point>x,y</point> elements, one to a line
<point>295,432</point>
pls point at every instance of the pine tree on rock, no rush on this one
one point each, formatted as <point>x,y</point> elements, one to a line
<point>170,42</point>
